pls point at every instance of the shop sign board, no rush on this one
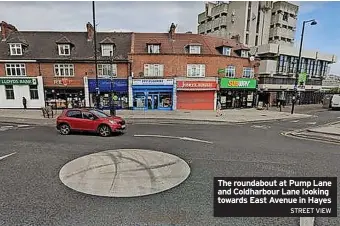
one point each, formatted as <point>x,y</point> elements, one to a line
<point>143,82</point>
<point>63,81</point>
<point>202,85</point>
<point>18,81</point>
<point>238,83</point>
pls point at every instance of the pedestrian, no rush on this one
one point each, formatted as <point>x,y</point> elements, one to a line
<point>218,112</point>
<point>24,102</point>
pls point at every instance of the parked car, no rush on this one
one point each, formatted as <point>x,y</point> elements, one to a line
<point>86,120</point>
<point>335,102</point>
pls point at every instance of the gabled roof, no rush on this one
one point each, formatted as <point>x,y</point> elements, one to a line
<point>63,40</point>
<point>209,44</point>
<point>107,40</point>
<point>42,45</point>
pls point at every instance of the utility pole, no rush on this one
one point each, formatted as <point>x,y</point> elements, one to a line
<point>95,54</point>
<point>112,103</point>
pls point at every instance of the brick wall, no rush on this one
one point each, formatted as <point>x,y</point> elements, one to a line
<point>176,65</point>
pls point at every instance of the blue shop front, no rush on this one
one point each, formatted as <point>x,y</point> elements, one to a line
<point>153,94</point>
<point>119,88</point>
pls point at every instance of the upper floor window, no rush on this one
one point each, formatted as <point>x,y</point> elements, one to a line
<point>226,51</point>
<point>194,49</point>
<point>285,16</point>
<point>196,70</point>
<point>107,50</point>
<point>64,49</point>
<point>64,70</point>
<point>107,70</point>
<point>15,69</point>
<point>230,71</point>
<point>16,49</point>
<point>153,48</point>
<point>244,53</point>
<point>153,70</point>
<point>248,72</point>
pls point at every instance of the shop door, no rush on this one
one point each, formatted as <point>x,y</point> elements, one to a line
<point>153,101</point>
<point>195,100</point>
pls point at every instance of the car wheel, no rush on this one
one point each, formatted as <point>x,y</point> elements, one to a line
<point>64,129</point>
<point>104,131</point>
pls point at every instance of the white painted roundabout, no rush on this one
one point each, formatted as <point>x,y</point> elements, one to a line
<point>124,173</point>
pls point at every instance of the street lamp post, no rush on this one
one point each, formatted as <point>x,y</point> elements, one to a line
<point>95,54</point>
<point>312,22</point>
<point>112,104</point>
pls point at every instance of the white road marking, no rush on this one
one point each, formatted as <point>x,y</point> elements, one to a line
<point>3,157</point>
<point>19,126</point>
<point>260,127</point>
<point>7,127</point>
<point>310,123</point>
<point>306,221</point>
<point>172,137</point>
<point>295,121</point>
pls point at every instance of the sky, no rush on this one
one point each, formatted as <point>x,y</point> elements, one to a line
<point>157,17</point>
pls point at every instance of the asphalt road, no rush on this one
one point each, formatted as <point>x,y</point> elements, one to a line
<point>32,194</point>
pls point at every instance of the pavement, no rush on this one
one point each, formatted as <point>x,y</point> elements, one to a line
<point>228,116</point>
<point>32,192</point>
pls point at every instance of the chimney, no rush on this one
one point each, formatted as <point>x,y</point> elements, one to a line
<point>172,31</point>
<point>6,29</point>
<point>90,31</point>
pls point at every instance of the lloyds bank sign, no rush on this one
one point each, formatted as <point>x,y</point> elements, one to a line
<point>18,81</point>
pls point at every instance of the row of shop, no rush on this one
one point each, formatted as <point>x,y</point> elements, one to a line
<point>136,94</point>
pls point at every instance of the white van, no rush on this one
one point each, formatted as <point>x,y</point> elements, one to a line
<point>335,102</point>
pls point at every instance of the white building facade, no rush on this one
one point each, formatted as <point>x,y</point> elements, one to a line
<point>13,89</point>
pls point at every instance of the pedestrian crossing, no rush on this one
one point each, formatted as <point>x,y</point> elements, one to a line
<point>7,127</point>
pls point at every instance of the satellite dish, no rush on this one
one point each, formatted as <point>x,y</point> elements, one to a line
<point>252,58</point>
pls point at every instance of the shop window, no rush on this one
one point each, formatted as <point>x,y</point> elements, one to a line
<point>64,70</point>
<point>9,92</point>
<point>15,49</point>
<point>194,49</point>
<point>153,48</point>
<point>165,100</point>
<point>153,70</point>
<point>230,72</point>
<point>34,92</point>
<point>196,70</point>
<point>248,72</point>
<point>226,51</point>
<point>64,49</point>
<point>74,114</point>
<point>15,69</point>
<point>107,70</point>
<point>107,50</point>
<point>139,100</point>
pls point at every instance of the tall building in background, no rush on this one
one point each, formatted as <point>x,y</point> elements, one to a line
<point>254,23</point>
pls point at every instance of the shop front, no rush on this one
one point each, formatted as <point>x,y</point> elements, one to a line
<point>118,88</point>
<point>237,92</point>
<point>64,92</point>
<point>12,91</point>
<point>196,94</point>
<point>153,94</point>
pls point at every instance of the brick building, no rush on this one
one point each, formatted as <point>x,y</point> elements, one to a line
<point>189,71</point>
<point>162,71</point>
<point>61,66</point>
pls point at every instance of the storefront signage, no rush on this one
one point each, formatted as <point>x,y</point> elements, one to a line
<point>18,81</point>
<point>238,83</point>
<point>62,82</point>
<point>196,85</point>
<point>141,82</point>
<point>106,85</point>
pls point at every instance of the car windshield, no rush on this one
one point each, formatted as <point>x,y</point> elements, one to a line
<point>99,114</point>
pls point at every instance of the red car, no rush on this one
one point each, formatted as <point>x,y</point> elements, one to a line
<point>85,120</point>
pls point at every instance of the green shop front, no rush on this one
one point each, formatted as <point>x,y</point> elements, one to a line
<point>237,93</point>
<point>13,89</point>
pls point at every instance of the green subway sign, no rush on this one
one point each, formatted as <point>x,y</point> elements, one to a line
<point>238,83</point>
<point>18,81</point>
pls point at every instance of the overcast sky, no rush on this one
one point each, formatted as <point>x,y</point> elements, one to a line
<point>156,17</point>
